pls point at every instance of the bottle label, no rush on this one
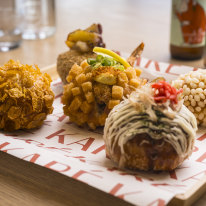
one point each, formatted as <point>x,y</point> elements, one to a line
<point>188,23</point>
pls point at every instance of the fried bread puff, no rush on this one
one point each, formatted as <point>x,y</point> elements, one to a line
<point>25,96</point>
<point>96,86</point>
<point>151,130</point>
<point>81,44</point>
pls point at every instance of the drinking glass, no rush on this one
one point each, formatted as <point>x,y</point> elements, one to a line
<point>10,25</point>
<point>39,18</point>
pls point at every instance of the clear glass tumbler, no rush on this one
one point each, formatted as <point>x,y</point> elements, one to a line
<point>39,18</point>
<point>10,25</point>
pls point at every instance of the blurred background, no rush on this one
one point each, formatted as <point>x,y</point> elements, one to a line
<point>125,24</point>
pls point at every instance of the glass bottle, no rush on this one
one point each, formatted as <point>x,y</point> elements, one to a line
<point>188,25</point>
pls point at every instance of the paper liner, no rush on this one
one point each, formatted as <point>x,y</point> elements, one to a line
<point>79,153</point>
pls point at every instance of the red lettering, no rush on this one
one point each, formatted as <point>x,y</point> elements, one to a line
<point>136,177</point>
<point>85,146</point>
<point>193,176</point>
<point>201,158</point>
<point>60,119</point>
<point>147,64</point>
<point>67,150</point>
<point>99,149</point>
<point>47,123</point>
<point>6,150</point>
<point>33,158</point>
<point>39,144</point>
<point>81,158</point>
<point>117,187</point>
<point>4,144</point>
<point>57,134</point>
<point>169,68</point>
<point>201,138</point>
<point>78,157</point>
<point>57,96</point>
<point>81,172</point>
<point>52,163</point>
<point>195,149</point>
<point>138,60</point>
<point>158,202</point>
<point>157,66</point>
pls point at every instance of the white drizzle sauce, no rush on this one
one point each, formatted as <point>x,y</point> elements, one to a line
<point>138,114</point>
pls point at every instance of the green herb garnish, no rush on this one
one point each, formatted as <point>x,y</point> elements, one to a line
<point>104,61</point>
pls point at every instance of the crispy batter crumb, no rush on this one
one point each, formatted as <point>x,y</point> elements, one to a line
<point>25,96</point>
<point>100,93</point>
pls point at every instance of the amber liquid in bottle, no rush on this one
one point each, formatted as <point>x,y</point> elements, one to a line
<point>188,24</point>
<point>186,53</point>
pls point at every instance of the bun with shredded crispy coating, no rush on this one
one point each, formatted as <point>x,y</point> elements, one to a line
<point>25,96</point>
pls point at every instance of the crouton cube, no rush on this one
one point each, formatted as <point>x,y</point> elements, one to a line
<point>69,78</point>
<point>87,69</point>
<point>80,78</point>
<point>75,70</point>
<point>76,91</point>
<point>75,104</point>
<point>84,64</point>
<point>117,92</point>
<point>68,87</point>
<point>87,87</point>
<point>86,107</point>
<point>138,71</point>
<point>113,103</point>
<point>134,82</point>
<point>81,118</point>
<point>89,76</point>
<point>89,97</point>
<point>130,72</point>
<point>67,93</point>
<point>102,119</point>
<point>122,79</point>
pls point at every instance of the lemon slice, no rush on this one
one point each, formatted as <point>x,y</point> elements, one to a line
<point>112,54</point>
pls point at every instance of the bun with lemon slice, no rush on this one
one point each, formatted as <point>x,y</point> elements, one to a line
<point>97,85</point>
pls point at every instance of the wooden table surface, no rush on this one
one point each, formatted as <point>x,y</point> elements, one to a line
<point>125,24</point>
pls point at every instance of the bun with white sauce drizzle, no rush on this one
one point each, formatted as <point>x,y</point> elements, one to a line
<point>151,130</point>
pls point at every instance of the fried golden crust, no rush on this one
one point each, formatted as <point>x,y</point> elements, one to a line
<point>25,96</point>
<point>102,93</point>
<point>67,59</point>
<point>144,153</point>
<point>88,101</point>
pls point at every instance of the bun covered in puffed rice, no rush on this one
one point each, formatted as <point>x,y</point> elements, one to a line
<point>194,93</point>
